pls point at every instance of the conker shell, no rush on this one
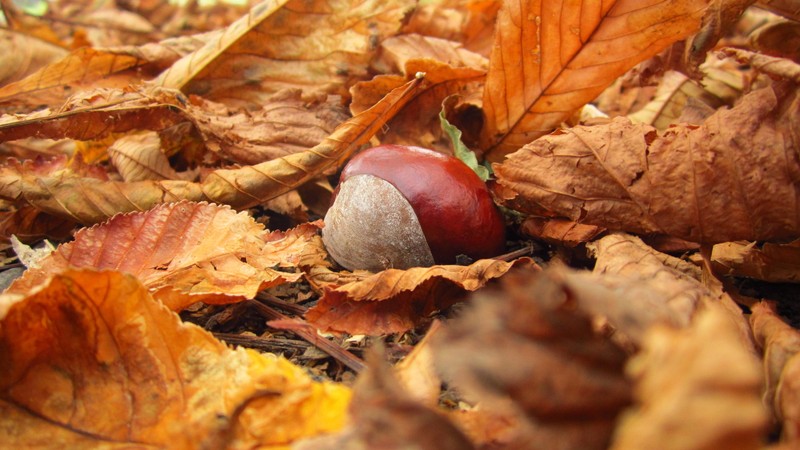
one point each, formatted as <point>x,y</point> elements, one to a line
<point>452,204</point>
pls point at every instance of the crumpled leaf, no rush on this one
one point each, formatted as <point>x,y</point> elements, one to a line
<point>90,201</point>
<point>695,388</point>
<point>184,253</point>
<point>675,93</point>
<point>384,416</point>
<point>92,361</point>
<point>776,263</point>
<point>331,52</point>
<point>560,231</point>
<point>781,346</point>
<point>726,180</point>
<point>550,58</point>
<point>470,22</point>
<point>528,350</point>
<point>396,300</point>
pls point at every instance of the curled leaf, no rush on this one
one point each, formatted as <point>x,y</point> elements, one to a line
<point>396,300</point>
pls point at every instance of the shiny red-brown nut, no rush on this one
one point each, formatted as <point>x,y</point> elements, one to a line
<point>400,207</point>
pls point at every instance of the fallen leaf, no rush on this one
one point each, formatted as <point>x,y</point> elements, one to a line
<point>416,372</point>
<point>470,22</point>
<point>183,252</point>
<point>384,416</point>
<point>780,344</point>
<point>776,263</point>
<point>327,54</point>
<point>27,54</point>
<point>726,180</point>
<point>89,201</point>
<point>674,94</point>
<point>90,359</point>
<point>691,396</point>
<point>560,231</point>
<point>529,351</point>
<point>138,157</point>
<point>551,58</point>
<point>396,300</point>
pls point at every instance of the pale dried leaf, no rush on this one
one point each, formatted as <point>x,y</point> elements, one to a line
<point>695,388</point>
<point>90,201</point>
<point>781,346</point>
<point>470,22</point>
<point>183,252</point>
<point>550,58</point>
<point>416,372</point>
<point>90,359</point>
<point>396,300</point>
<point>531,352</point>
<point>779,67</point>
<point>777,263</point>
<point>780,38</point>
<point>674,94</point>
<point>787,8</point>
<point>325,55</point>
<point>398,50</point>
<point>735,177</point>
<point>24,55</point>
<point>138,157</point>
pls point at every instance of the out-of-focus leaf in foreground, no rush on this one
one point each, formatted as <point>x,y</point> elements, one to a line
<point>320,46</point>
<point>695,388</point>
<point>92,361</point>
<point>552,57</point>
<point>396,300</point>
<point>385,416</point>
<point>184,253</point>
<point>734,177</point>
<point>91,201</point>
<point>781,346</point>
<point>531,352</point>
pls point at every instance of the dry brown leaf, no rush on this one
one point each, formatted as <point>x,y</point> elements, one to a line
<point>326,54</point>
<point>384,416</point>
<point>396,51</point>
<point>89,201</point>
<point>396,300</point>
<point>24,55</point>
<point>559,231</point>
<point>786,8</point>
<point>674,94</point>
<point>184,253</point>
<point>781,346</point>
<point>30,224</point>
<point>470,22</point>
<point>418,123</point>
<point>779,67</point>
<point>90,68</point>
<point>528,351</point>
<point>90,360</point>
<point>416,372</point>
<point>777,263</point>
<point>735,177</point>
<point>287,123</point>
<point>550,58</point>
<point>695,388</point>
<point>719,21</point>
<point>138,157</point>
<point>780,38</point>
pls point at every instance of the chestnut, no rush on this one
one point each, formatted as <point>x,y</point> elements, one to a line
<point>398,207</point>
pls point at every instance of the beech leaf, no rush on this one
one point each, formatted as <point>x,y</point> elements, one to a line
<point>551,57</point>
<point>735,177</point>
<point>90,359</point>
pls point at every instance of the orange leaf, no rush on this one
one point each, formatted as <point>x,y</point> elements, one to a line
<point>91,360</point>
<point>183,252</point>
<point>396,300</point>
<point>551,57</point>
<point>726,180</point>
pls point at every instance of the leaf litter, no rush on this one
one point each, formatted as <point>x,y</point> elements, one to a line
<point>180,158</point>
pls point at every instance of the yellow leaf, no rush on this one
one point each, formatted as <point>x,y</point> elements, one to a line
<point>91,360</point>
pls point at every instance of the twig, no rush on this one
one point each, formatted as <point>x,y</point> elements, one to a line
<point>309,333</point>
<point>271,300</point>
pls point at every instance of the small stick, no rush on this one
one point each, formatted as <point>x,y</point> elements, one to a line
<point>309,333</point>
<point>271,300</point>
